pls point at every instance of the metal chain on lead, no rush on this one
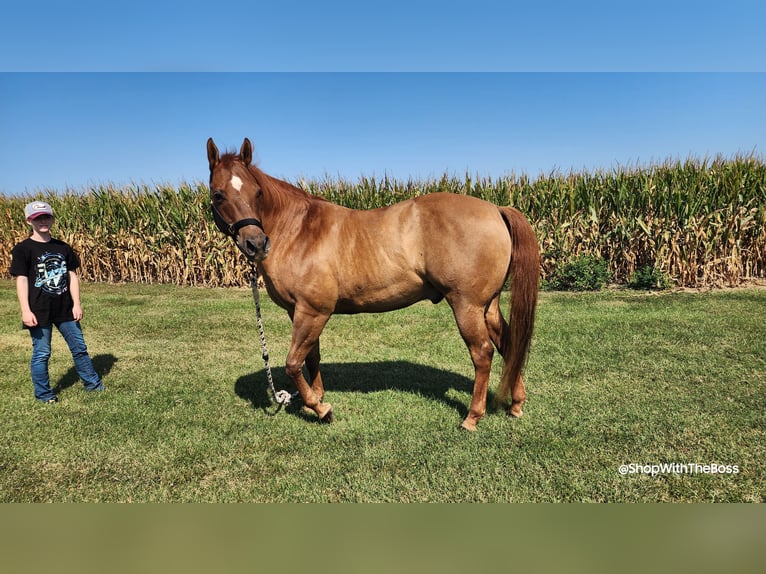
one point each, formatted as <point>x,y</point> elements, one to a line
<point>281,397</point>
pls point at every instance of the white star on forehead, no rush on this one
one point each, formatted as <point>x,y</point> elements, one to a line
<point>236,183</point>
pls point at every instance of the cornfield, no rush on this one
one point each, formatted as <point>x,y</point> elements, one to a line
<point>702,222</point>
<point>135,234</point>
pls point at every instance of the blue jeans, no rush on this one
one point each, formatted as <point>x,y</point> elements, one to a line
<point>41,353</point>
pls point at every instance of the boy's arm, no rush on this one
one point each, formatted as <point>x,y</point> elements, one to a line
<point>22,292</point>
<point>74,289</point>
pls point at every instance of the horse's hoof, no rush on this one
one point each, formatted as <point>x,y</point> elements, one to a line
<point>516,412</point>
<point>327,417</point>
<point>468,425</point>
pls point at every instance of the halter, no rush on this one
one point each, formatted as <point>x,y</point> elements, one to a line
<point>231,229</point>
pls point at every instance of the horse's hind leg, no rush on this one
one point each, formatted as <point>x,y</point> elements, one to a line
<point>499,331</point>
<point>497,325</point>
<point>473,328</point>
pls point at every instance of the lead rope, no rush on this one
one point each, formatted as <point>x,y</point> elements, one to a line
<point>282,398</point>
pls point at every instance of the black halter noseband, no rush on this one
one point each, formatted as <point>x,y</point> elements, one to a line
<point>231,229</point>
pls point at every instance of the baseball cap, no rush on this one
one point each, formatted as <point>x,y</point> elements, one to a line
<point>37,208</point>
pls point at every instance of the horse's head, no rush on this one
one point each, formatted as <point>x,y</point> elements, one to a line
<point>235,200</point>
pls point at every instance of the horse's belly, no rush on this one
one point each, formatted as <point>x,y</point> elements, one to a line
<point>388,298</point>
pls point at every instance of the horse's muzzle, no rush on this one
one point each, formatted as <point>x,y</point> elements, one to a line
<point>255,245</point>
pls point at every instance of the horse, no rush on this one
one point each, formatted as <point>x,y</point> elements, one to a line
<point>317,258</point>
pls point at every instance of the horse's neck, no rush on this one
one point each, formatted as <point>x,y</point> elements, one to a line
<point>284,202</point>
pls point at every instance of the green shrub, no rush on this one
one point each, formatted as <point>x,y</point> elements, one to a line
<point>583,273</point>
<point>649,277</point>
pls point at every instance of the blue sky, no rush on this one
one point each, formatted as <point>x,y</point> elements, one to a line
<point>131,94</point>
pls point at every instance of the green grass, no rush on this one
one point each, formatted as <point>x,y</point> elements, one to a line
<point>614,377</point>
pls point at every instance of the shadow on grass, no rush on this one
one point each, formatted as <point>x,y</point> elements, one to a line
<point>361,378</point>
<point>102,363</point>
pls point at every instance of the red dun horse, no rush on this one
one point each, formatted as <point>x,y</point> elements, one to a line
<point>317,258</point>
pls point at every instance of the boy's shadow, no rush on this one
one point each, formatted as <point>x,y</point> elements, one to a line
<point>361,378</point>
<point>102,363</point>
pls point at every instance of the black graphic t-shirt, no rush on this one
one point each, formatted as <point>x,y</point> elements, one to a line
<point>46,266</point>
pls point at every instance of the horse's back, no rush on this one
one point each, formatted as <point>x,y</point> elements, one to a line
<point>436,231</point>
<point>427,247</point>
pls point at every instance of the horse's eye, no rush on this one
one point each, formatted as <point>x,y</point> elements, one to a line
<point>218,196</point>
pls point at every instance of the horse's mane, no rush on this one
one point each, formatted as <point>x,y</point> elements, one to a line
<point>280,192</point>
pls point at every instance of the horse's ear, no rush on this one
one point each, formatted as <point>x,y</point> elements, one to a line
<point>246,152</point>
<point>212,153</point>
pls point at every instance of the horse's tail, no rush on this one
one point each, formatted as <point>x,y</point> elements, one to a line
<point>525,275</point>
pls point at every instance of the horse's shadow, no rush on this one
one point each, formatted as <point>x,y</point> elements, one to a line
<point>102,363</point>
<point>404,376</point>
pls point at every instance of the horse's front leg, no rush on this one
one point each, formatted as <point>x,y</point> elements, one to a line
<point>315,377</point>
<point>307,326</point>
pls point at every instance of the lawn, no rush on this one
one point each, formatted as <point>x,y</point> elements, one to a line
<point>614,378</point>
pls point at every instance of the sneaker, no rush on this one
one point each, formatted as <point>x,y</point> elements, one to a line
<point>52,401</point>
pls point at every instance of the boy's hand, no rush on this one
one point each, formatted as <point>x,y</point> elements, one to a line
<point>77,312</point>
<point>29,318</point>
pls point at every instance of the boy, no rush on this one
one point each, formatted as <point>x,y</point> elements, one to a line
<point>49,294</point>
